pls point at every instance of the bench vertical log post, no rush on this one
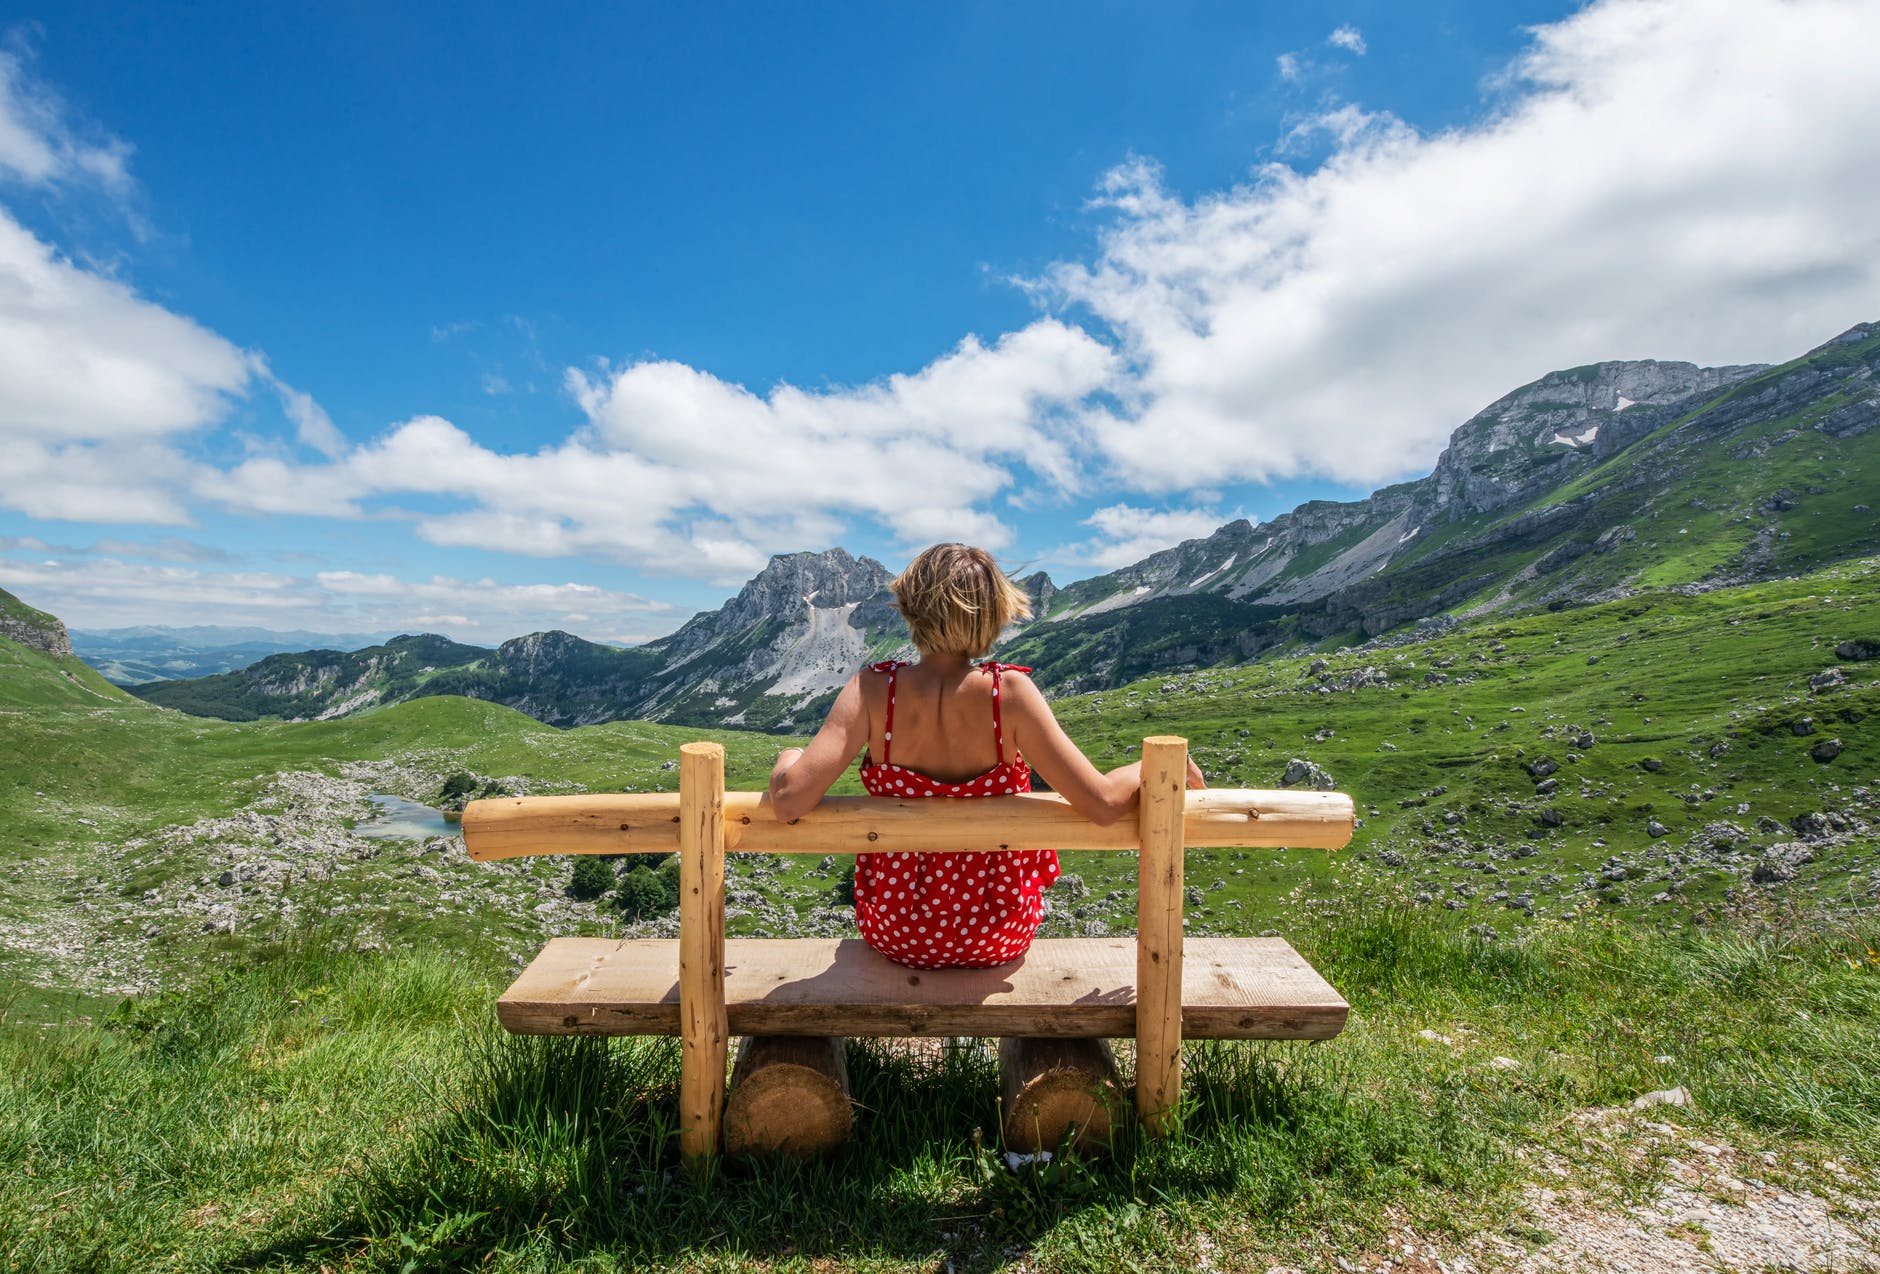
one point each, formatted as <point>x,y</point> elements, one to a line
<point>1159,933</point>
<point>704,1033</point>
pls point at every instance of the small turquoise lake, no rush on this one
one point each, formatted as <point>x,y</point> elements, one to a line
<point>400,819</point>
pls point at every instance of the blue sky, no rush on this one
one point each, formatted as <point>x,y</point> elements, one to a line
<point>487,320</point>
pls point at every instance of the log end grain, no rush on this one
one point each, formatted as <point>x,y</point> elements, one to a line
<point>1058,1094</point>
<point>789,1097</point>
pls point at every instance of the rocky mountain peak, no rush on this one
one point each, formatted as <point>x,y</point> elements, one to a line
<point>541,650</point>
<point>823,580</point>
<point>34,628</point>
<point>1519,442</point>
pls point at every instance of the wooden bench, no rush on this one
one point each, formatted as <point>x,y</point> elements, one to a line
<point>705,988</point>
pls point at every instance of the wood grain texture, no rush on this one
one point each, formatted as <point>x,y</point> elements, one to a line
<point>789,1096</point>
<point>648,823</point>
<point>1159,930</point>
<point>1058,1095</point>
<point>704,1034</point>
<point>1232,988</point>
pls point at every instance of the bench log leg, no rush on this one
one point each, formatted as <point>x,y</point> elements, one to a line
<point>789,1096</point>
<point>1057,1094</point>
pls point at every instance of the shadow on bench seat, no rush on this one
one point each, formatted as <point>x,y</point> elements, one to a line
<point>1232,989</point>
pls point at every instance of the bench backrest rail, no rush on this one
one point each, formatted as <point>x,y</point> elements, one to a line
<point>648,823</point>
<point>704,822</point>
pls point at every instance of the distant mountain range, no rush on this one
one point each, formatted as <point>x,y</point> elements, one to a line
<point>1584,485</point>
<point>131,656</point>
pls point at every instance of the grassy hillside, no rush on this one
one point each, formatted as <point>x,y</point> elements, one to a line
<point>362,1112</point>
<point>321,1084</point>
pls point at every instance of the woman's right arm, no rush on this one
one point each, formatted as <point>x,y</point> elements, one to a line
<point>1102,798</point>
<point>802,775</point>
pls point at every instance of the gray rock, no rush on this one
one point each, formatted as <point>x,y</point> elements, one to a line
<point>1827,679</point>
<point>1584,742</point>
<point>1652,763</point>
<point>1542,768</point>
<point>1302,771</point>
<point>1859,650</point>
<point>1546,787</point>
<point>1826,750</point>
<point>1782,863</point>
<point>1656,829</point>
<point>1805,726</point>
<point>1679,1096</point>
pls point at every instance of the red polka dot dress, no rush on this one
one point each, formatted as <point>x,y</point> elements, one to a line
<point>961,910</point>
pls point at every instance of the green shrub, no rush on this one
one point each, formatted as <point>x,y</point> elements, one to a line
<point>644,893</point>
<point>592,878</point>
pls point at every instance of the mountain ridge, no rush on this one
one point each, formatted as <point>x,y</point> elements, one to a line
<point>1548,496</point>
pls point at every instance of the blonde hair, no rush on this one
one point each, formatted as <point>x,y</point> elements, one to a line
<point>956,600</point>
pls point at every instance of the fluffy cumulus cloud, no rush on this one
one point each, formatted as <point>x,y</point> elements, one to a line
<point>94,588</point>
<point>681,472</point>
<point>96,382</point>
<point>1126,534</point>
<point>1682,179</point>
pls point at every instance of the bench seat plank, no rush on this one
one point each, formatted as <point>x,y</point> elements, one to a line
<point>1232,988</point>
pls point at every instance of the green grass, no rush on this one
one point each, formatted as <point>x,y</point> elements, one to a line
<point>294,1103</point>
<point>363,1113</point>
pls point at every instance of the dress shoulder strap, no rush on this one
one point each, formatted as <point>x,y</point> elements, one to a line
<point>998,727</point>
<point>892,666</point>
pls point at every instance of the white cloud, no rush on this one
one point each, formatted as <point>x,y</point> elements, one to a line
<point>109,592</point>
<point>1290,68</point>
<point>82,357</point>
<point>684,473</point>
<point>1666,178</point>
<point>1127,534</point>
<point>40,146</point>
<point>312,426</point>
<point>1349,38</point>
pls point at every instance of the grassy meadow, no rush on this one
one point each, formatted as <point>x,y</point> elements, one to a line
<point>1689,902</point>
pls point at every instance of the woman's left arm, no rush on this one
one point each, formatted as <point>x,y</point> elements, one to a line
<point>802,775</point>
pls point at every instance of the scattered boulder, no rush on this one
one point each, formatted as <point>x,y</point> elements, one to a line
<point>1652,763</point>
<point>1827,679</point>
<point>1782,863</point>
<point>1656,829</point>
<point>1553,818</point>
<point>1718,748</point>
<point>1584,742</point>
<point>1679,1096</point>
<point>1804,727</point>
<point>1302,771</point>
<point>1542,768</point>
<point>1826,750</point>
<point>1818,826</point>
<point>1858,650</point>
<point>1546,787</point>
